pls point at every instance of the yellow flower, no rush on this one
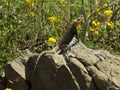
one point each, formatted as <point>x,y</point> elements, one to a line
<point>52,19</point>
<point>63,1</point>
<point>8,89</point>
<point>31,2</point>
<point>96,23</point>
<point>92,29</point>
<point>32,14</point>
<point>52,40</point>
<point>110,24</point>
<point>105,5</point>
<point>108,12</point>
<point>96,32</point>
<point>28,1</point>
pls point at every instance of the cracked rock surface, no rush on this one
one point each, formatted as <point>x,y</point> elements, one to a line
<point>92,70</point>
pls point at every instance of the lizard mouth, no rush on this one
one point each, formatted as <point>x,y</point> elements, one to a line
<point>79,21</point>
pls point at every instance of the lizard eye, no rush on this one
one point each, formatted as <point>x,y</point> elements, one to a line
<point>79,20</point>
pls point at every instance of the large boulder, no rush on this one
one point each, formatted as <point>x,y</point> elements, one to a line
<point>79,69</point>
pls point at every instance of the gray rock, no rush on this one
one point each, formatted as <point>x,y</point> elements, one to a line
<point>81,67</point>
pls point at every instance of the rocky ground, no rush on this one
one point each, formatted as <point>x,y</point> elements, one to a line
<point>79,69</point>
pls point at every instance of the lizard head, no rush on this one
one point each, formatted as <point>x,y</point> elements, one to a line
<point>78,21</point>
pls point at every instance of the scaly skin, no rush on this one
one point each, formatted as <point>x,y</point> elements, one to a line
<point>69,34</point>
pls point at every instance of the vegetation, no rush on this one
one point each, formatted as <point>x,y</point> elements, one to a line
<point>24,23</point>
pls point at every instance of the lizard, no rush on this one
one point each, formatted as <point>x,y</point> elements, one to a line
<point>68,36</point>
<point>64,43</point>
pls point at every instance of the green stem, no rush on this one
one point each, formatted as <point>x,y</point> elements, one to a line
<point>85,28</point>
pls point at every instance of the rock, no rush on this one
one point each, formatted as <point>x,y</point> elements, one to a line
<point>15,72</point>
<point>79,69</point>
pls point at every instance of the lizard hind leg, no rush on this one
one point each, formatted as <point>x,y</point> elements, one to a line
<point>64,50</point>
